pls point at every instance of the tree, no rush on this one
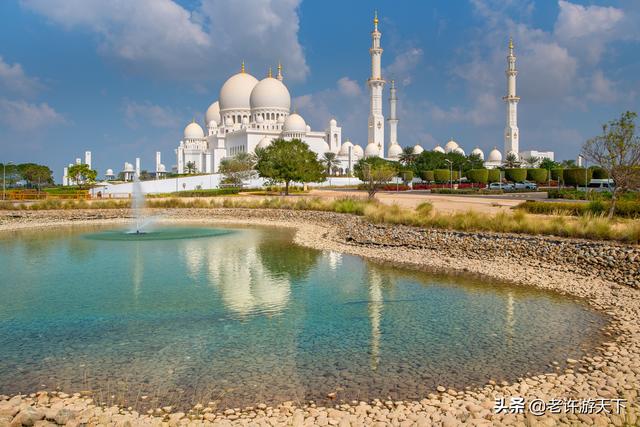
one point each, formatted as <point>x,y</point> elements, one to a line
<point>531,161</point>
<point>81,174</point>
<point>289,161</point>
<point>515,175</point>
<point>407,157</point>
<point>406,175</point>
<point>238,169</point>
<point>38,174</point>
<point>190,167</point>
<point>537,175</point>
<point>576,176</point>
<point>478,176</point>
<point>548,164</point>
<point>330,161</point>
<point>617,151</point>
<point>511,161</point>
<point>566,164</point>
<point>374,172</point>
<point>474,161</point>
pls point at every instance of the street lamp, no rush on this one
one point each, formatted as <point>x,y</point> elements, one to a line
<point>4,179</point>
<point>450,172</point>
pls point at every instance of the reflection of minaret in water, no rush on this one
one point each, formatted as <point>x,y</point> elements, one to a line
<point>376,303</point>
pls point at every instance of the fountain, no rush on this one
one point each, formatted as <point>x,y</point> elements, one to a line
<point>137,207</point>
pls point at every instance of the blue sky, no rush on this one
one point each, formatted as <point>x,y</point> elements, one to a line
<point>122,78</point>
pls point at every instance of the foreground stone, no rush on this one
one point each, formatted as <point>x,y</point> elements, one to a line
<point>606,275</point>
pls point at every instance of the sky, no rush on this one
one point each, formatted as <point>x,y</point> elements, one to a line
<point>123,78</point>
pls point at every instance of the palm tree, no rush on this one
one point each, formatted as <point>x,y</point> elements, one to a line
<point>407,157</point>
<point>190,167</point>
<point>330,161</point>
<point>531,161</point>
<point>511,161</point>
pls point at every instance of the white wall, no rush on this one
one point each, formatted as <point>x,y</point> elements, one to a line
<point>206,182</point>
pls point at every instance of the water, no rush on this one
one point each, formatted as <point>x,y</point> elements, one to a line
<point>240,316</point>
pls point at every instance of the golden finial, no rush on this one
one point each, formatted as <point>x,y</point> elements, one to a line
<point>279,66</point>
<point>242,67</point>
<point>511,43</point>
<point>375,17</point>
<point>270,73</point>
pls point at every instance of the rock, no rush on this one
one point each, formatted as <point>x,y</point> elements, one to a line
<point>63,416</point>
<point>441,389</point>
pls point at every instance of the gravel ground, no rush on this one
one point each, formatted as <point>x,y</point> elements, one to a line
<point>607,275</point>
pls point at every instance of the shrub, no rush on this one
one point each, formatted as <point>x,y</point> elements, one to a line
<point>557,174</point>
<point>480,176</point>
<point>515,175</point>
<point>628,209</point>
<point>599,173</point>
<point>576,176</point>
<point>537,175</point>
<point>427,176</point>
<point>494,175</point>
<point>442,175</point>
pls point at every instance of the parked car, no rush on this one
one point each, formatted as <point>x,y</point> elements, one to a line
<point>526,185</point>
<point>500,186</point>
<point>600,185</point>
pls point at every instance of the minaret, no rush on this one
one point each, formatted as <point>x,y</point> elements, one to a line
<point>393,118</point>
<point>511,133</point>
<point>279,77</point>
<point>376,84</point>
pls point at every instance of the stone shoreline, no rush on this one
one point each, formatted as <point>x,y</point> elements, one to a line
<point>607,275</point>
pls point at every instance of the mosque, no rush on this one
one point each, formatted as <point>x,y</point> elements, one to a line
<point>251,113</point>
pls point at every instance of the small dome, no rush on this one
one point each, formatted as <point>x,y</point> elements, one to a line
<point>344,148</point>
<point>235,93</point>
<point>372,150</point>
<point>213,113</point>
<point>333,123</point>
<point>495,156</point>
<point>438,149</point>
<point>418,149</point>
<point>394,151</point>
<point>357,151</point>
<point>478,152</point>
<point>270,93</point>
<point>193,131</point>
<point>161,168</point>
<point>128,167</point>
<point>109,172</point>
<point>295,123</point>
<point>458,150</point>
<point>264,142</point>
<point>450,146</point>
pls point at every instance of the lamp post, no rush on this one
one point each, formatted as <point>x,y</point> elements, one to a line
<point>450,173</point>
<point>4,179</point>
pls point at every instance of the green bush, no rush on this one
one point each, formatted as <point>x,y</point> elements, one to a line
<point>515,175</point>
<point>494,175</point>
<point>480,176</point>
<point>537,175</point>
<point>427,176</point>
<point>206,193</point>
<point>556,174</point>
<point>624,209</point>
<point>576,176</point>
<point>442,175</point>
<point>599,173</point>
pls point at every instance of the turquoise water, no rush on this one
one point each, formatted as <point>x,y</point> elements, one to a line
<point>240,316</point>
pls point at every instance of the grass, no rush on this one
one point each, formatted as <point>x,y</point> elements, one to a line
<point>624,208</point>
<point>587,225</point>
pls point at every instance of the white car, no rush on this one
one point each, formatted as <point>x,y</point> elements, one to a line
<point>500,186</point>
<point>526,185</point>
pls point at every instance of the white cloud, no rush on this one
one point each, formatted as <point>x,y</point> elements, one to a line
<point>143,114</point>
<point>587,29</point>
<point>23,116</point>
<point>403,66</point>
<point>349,87</point>
<point>13,79</point>
<point>601,89</point>
<point>162,38</point>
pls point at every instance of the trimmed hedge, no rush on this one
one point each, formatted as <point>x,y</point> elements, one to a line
<point>576,176</point>
<point>515,175</point>
<point>537,175</point>
<point>494,175</point>
<point>427,176</point>
<point>480,176</point>
<point>443,175</point>
<point>624,209</point>
<point>557,174</point>
<point>599,173</point>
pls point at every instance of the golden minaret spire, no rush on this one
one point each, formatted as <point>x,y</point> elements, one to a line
<point>242,70</point>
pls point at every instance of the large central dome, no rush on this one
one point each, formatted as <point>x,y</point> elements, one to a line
<point>270,93</point>
<point>236,92</point>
